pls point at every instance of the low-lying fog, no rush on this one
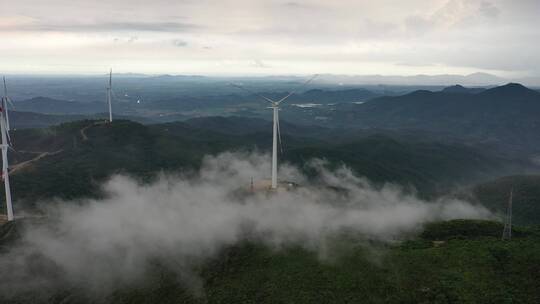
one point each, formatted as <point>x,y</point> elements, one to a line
<point>98,244</point>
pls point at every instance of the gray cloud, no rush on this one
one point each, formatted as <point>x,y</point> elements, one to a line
<point>488,9</point>
<point>259,64</point>
<point>292,36</point>
<point>297,5</point>
<point>293,4</point>
<point>179,43</point>
<point>453,14</point>
<point>179,221</point>
<point>105,27</point>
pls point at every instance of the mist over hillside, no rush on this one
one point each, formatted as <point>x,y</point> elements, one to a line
<point>103,244</point>
<point>176,206</point>
<point>269,151</point>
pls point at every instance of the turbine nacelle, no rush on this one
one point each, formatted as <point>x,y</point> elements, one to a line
<point>276,103</point>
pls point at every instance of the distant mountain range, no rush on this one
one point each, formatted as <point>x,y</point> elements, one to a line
<point>505,116</point>
<point>55,106</point>
<point>476,79</point>
<point>25,120</point>
<point>459,89</point>
<point>319,96</point>
<point>162,107</point>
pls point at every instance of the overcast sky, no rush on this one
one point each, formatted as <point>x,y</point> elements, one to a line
<point>389,37</point>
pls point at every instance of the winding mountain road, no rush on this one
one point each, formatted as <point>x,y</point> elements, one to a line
<point>83,130</point>
<point>17,167</point>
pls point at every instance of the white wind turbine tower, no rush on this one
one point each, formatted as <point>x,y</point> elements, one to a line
<point>507,232</point>
<point>274,105</point>
<point>109,95</point>
<point>6,144</point>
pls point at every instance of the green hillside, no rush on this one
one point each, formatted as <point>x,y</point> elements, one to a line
<point>451,262</point>
<point>473,268</point>
<point>526,197</point>
<point>83,154</point>
<point>90,151</point>
<point>448,262</point>
<point>428,166</point>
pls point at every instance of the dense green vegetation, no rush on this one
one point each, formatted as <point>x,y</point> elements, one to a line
<point>526,197</point>
<point>84,162</point>
<point>431,168</point>
<point>451,262</point>
<point>479,269</point>
<point>87,152</point>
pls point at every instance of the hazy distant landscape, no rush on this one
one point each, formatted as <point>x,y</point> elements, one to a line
<point>270,152</point>
<point>438,146</point>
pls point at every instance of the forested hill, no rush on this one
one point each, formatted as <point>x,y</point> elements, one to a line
<point>73,158</point>
<point>504,117</point>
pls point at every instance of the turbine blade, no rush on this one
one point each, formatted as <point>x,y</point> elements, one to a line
<point>7,121</point>
<point>8,138</point>
<point>251,92</point>
<point>298,89</point>
<point>6,114</point>
<point>5,87</point>
<point>5,102</point>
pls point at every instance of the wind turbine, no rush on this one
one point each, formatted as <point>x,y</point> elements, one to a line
<point>109,95</point>
<point>6,144</point>
<point>507,232</point>
<point>274,105</point>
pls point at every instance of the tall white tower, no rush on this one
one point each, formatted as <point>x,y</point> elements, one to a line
<point>4,128</point>
<point>275,108</point>
<point>109,95</point>
<point>274,105</point>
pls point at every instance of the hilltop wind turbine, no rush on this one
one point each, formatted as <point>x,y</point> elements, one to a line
<point>274,105</point>
<point>6,144</point>
<point>109,95</point>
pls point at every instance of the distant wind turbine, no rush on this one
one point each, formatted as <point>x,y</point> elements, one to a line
<point>6,144</point>
<point>274,105</point>
<point>507,232</point>
<point>109,95</point>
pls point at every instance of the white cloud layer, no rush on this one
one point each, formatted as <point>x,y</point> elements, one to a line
<point>100,244</point>
<point>347,36</point>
